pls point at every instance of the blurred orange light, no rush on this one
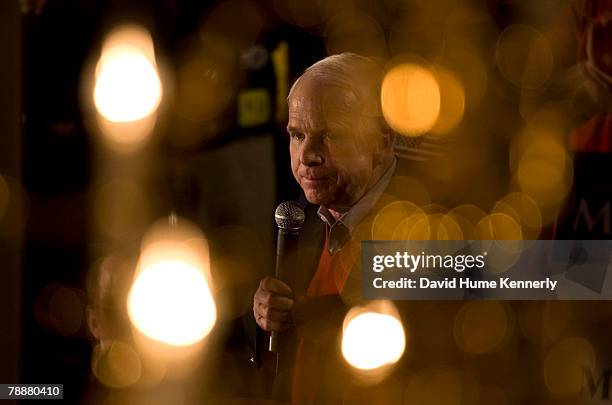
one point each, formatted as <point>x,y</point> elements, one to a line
<point>119,366</point>
<point>546,178</point>
<point>452,101</point>
<point>566,364</point>
<point>410,99</point>
<point>482,327</point>
<point>524,56</point>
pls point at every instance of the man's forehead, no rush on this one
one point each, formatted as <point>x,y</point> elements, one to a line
<point>315,106</point>
<point>300,104</point>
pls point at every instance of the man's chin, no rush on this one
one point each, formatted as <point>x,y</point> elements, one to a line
<point>316,197</point>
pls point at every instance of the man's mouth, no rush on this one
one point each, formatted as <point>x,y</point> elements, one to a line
<point>314,180</point>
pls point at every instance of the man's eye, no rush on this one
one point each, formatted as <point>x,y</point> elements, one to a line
<point>296,136</point>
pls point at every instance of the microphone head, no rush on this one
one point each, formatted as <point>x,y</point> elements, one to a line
<point>289,215</point>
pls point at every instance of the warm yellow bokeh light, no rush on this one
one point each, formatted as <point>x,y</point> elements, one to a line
<point>371,340</point>
<point>119,366</point>
<point>389,218</point>
<point>481,327</point>
<point>409,189</point>
<point>171,302</point>
<point>524,210</point>
<point>499,226</point>
<point>449,229</point>
<point>414,227</point>
<point>467,62</point>
<point>127,84</point>
<point>426,228</point>
<point>501,236</point>
<point>524,56</point>
<point>543,180</point>
<point>541,163</point>
<point>452,101</point>
<point>410,99</point>
<point>566,364</point>
<point>467,217</point>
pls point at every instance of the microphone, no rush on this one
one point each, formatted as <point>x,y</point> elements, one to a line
<point>289,218</point>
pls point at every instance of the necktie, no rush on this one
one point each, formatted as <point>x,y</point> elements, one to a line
<point>338,236</point>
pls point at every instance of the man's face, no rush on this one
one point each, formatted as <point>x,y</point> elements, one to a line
<point>333,148</point>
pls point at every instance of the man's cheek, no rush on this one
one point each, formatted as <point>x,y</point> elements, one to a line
<point>294,169</point>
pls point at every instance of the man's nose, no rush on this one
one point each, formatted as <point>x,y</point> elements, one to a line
<point>312,153</point>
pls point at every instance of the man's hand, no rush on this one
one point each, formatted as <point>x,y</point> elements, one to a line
<point>272,304</point>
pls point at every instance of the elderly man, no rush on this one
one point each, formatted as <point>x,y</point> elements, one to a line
<point>342,157</point>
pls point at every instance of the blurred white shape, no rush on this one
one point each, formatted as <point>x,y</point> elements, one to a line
<point>371,340</point>
<point>170,301</point>
<point>127,87</point>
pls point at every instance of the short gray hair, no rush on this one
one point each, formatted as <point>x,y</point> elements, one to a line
<point>358,75</point>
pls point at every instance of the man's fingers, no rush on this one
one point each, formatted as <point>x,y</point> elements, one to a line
<point>271,320</point>
<point>275,285</point>
<point>274,301</point>
<point>273,326</point>
<point>279,302</point>
<point>272,305</point>
<point>274,314</point>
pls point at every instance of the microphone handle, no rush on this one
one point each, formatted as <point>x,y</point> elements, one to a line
<point>286,247</point>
